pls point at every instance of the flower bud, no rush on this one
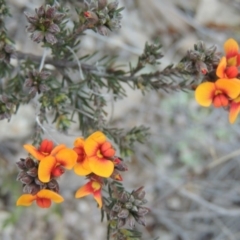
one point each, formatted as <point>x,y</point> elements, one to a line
<point>200,46</point>
<point>124,197</point>
<point>113,215</point>
<point>143,211</point>
<point>201,67</point>
<point>123,213</point>
<point>25,178</point>
<point>31,188</point>
<point>33,172</point>
<point>134,209</point>
<point>52,184</point>
<point>102,4</point>
<point>30,18</point>
<point>128,205</point>
<point>121,222</point>
<point>50,11</point>
<point>113,5</point>
<point>102,30</point>
<point>131,198</point>
<point>20,175</point>
<point>120,165</point>
<point>116,207</point>
<point>37,36</point>
<point>38,182</point>
<point>91,15</point>
<point>40,11</point>
<point>29,163</point>
<point>231,71</point>
<point>116,176</point>
<point>140,220</point>
<point>54,28</point>
<point>21,164</point>
<point>50,38</point>
<point>139,193</point>
<point>131,221</point>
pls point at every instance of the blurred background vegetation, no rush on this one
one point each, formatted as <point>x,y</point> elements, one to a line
<point>190,164</point>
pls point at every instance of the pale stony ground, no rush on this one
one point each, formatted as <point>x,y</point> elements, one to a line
<point>184,138</point>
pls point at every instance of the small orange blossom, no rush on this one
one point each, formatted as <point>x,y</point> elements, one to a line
<point>43,198</point>
<point>92,187</point>
<point>227,67</point>
<point>52,160</point>
<point>217,93</point>
<point>61,156</point>
<point>99,152</point>
<point>234,109</point>
<point>44,149</point>
<point>82,166</point>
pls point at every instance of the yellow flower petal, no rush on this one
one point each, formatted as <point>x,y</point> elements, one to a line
<point>34,152</point>
<point>233,113</point>
<point>26,200</point>
<point>84,190</point>
<point>45,168</point>
<point>91,147</point>
<point>67,158</point>
<point>231,48</point>
<point>79,142</point>
<point>93,143</point>
<point>234,110</point>
<point>232,61</point>
<point>48,194</point>
<point>231,87</point>
<point>204,93</point>
<point>220,72</point>
<point>101,167</point>
<point>97,196</point>
<point>82,168</point>
<point>98,136</point>
<point>91,187</point>
<point>57,149</point>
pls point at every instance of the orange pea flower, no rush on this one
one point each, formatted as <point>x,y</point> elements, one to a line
<point>99,152</point>
<point>44,149</point>
<point>231,49</point>
<point>217,93</point>
<point>234,109</point>
<point>82,166</point>
<point>225,71</point>
<point>227,67</point>
<point>52,165</point>
<point>52,160</point>
<point>43,199</point>
<point>92,187</point>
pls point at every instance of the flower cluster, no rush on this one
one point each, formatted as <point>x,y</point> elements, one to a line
<point>36,82</point>
<point>40,171</point>
<point>101,16</point>
<point>223,89</point>
<point>44,25</point>
<point>97,161</point>
<point>93,157</point>
<point>127,208</point>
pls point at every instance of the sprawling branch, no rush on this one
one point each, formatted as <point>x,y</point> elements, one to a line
<point>153,78</point>
<point>54,62</point>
